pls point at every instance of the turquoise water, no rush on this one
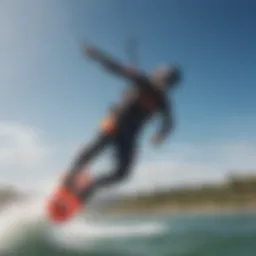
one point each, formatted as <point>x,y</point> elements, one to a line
<point>219,235</point>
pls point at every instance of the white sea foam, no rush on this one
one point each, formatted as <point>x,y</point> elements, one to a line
<point>80,233</point>
<point>17,218</point>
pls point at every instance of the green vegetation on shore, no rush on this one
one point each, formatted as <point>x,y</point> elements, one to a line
<point>235,193</point>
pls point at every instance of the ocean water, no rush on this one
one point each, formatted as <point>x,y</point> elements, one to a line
<point>25,232</point>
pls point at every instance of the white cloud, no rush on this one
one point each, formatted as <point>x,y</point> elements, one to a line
<point>20,146</point>
<point>28,160</point>
<point>26,157</point>
<point>22,151</point>
<point>194,164</point>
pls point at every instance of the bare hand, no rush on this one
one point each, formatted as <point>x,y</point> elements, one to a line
<point>91,52</point>
<point>156,140</point>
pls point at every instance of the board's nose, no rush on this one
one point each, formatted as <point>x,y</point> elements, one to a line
<point>63,206</point>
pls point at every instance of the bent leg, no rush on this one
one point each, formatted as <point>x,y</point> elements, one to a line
<point>124,159</point>
<point>87,154</point>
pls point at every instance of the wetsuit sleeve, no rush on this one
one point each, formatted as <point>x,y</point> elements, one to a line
<point>166,126</point>
<point>117,68</point>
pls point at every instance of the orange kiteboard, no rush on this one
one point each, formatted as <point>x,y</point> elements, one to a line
<point>65,203</point>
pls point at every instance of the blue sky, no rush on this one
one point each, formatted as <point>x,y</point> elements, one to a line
<point>48,85</point>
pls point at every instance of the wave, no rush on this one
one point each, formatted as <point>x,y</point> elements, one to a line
<point>80,233</point>
<point>18,218</point>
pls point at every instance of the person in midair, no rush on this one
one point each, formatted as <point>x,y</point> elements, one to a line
<point>121,129</point>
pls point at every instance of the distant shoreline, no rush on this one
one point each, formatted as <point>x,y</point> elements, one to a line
<point>9,194</point>
<point>237,194</point>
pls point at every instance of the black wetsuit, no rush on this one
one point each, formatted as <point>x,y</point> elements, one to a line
<point>140,104</point>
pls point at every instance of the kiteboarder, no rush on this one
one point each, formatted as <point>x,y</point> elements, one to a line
<point>146,97</point>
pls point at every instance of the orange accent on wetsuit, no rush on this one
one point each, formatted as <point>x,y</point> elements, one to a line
<point>108,125</point>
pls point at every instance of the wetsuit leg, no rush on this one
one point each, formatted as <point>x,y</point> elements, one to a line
<point>87,154</point>
<point>125,152</point>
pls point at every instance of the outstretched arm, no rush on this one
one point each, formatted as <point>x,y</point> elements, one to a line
<point>166,123</point>
<point>113,65</point>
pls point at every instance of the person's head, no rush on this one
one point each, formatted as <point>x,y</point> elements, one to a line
<point>167,77</point>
